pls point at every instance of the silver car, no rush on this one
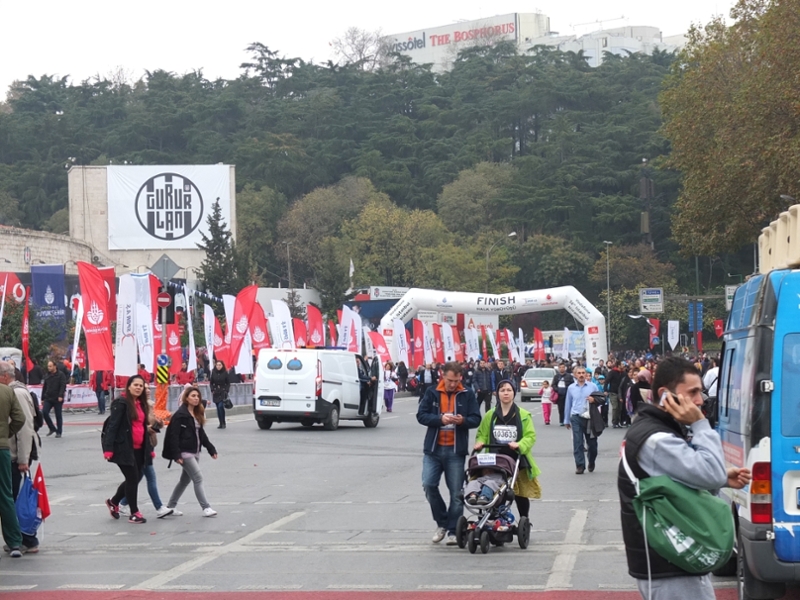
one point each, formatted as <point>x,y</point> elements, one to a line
<point>532,381</point>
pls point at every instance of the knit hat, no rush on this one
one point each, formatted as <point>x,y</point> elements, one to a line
<point>502,381</point>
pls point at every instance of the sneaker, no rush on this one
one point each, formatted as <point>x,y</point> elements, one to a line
<point>451,539</point>
<point>438,535</point>
<point>137,518</point>
<point>176,512</point>
<point>124,510</point>
<point>209,512</point>
<point>163,512</point>
<point>113,509</point>
<point>15,553</point>
<point>483,501</point>
<point>31,550</point>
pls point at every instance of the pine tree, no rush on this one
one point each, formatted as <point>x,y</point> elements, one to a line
<point>218,272</point>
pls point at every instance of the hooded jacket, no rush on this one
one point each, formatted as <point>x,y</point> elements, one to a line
<point>430,415</point>
<point>23,442</point>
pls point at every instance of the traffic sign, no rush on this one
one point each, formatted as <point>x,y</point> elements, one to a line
<point>163,299</point>
<point>162,374</point>
<point>651,300</point>
<point>162,360</point>
<point>692,315</point>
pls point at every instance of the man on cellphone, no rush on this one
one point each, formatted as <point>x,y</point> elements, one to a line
<point>657,444</point>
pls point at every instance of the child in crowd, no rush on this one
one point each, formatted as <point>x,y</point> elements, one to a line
<point>549,397</point>
<point>480,491</point>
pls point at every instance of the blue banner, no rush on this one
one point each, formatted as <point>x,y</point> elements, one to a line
<point>47,291</point>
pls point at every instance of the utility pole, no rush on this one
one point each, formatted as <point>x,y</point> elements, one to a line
<point>608,294</point>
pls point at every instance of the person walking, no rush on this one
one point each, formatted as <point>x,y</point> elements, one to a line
<point>428,378</point>
<point>220,387</point>
<point>389,385</point>
<point>126,443</point>
<point>613,381</point>
<point>182,443</point>
<point>12,420</point>
<point>576,411</point>
<point>402,375</point>
<point>482,381</point>
<point>560,383</point>
<point>54,389</point>
<point>449,411</point>
<point>657,444</point>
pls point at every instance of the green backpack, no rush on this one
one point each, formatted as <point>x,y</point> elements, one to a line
<point>690,528</point>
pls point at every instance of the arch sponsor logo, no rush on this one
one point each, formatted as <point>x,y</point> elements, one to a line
<point>169,206</point>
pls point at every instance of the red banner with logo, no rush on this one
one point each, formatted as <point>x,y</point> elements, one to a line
<point>221,347</point>
<point>418,353</point>
<point>655,329</point>
<point>14,289</point>
<point>155,284</point>
<point>242,313</point>
<point>258,329</point>
<point>484,349</point>
<point>96,318</point>
<point>26,331</point>
<point>379,343</point>
<point>300,333</point>
<point>719,327</point>
<point>457,344</point>
<point>438,347</point>
<point>174,348</point>
<point>110,282</point>
<point>315,332</point>
<point>502,338</point>
<point>331,332</point>
<point>538,344</point>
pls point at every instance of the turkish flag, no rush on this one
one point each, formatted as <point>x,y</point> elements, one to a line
<point>242,314</point>
<point>719,327</point>
<point>316,332</point>
<point>258,329</point>
<point>222,347</point>
<point>484,349</point>
<point>438,348</point>
<point>332,332</point>
<point>26,328</point>
<point>538,344</point>
<point>110,281</point>
<point>14,288</point>
<point>300,334</point>
<point>39,486</point>
<point>655,328</point>
<point>379,343</point>
<point>457,344</point>
<point>96,318</point>
<point>418,352</point>
<point>174,348</point>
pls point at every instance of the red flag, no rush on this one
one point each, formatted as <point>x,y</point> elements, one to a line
<point>26,331</point>
<point>379,343</point>
<point>221,346</point>
<point>155,285</point>
<point>174,347</point>
<point>15,289</point>
<point>258,329</point>
<point>538,344</point>
<point>300,334</point>
<point>457,344</point>
<point>483,342</point>
<point>96,318</point>
<point>39,486</point>
<point>418,353</point>
<point>699,341</point>
<point>332,332</point>
<point>242,314</point>
<point>719,327</point>
<point>110,281</point>
<point>502,338</point>
<point>655,328</point>
<point>438,348</point>
<point>316,332</point>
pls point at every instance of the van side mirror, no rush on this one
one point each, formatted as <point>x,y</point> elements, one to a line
<point>767,386</point>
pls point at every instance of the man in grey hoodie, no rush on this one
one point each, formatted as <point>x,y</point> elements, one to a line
<point>657,444</point>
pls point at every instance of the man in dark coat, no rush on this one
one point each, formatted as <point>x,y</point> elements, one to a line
<point>54,388</point>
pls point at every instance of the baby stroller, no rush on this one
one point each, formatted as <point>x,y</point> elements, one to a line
<point>493,523</point>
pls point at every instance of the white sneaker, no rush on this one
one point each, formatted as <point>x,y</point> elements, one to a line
<point>177,513</point>
<point>438,535</point>
<point>451,540</point>
<point>164,511</point>
<point>209,512</point>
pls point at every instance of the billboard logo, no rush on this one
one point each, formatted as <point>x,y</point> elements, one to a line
<point>594,330</point>
<point>169,206</point>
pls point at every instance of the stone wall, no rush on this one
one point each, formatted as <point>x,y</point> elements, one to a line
<point>43,248</point>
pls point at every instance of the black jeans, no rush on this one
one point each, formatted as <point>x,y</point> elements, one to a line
<point>57,406</point>
<point>562,400</point>
<point>129,489</point>
<point>485,398</point>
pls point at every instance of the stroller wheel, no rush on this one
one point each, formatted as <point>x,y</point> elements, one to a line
<point>524,532</point>
<point>472,541</point>
<point>461,532</point>
<point>485,542</point>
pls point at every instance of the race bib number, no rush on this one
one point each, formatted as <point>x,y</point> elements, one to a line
<point>487,460</point>
<point>505,434</point>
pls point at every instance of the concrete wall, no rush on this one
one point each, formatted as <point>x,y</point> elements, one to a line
<point>45,248</point>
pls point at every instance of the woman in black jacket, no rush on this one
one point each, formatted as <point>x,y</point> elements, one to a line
<point>126,443</point>
<point>220,386</point>
<point>185,435</point>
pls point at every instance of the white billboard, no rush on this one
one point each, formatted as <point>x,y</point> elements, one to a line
<point>164,207</point>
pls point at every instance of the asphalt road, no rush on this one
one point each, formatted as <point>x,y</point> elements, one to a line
<point>317,511</point>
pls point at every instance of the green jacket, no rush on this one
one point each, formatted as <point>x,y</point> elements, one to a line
<point>11,416</point>
<point>525,444</point>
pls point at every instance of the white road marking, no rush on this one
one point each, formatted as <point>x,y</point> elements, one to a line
<point>561,573</point>
<point>525,587</point>
<point>269,587</point>
<point>359,586</point>
<point>14,588</point>
<point>89,586</point>
<point>186,587</point>
<point>450,587</point>
<point>163,578</point>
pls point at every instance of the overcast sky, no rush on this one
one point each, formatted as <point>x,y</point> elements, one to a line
<point>88,37</point>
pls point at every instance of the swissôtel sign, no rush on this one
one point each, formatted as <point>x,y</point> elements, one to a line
<point>468,33</point>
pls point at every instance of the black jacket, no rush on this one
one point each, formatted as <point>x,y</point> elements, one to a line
<point>54,386</point>
<point>181,436</point>
<point>613,379</point>
<point>35,375</point>
<point>568,381</point>
<point>118,437</point>
<point>483,380</point>
<point>220,385</point>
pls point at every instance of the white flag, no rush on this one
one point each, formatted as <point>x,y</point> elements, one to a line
<point>673,333</point>
<point>208,330</point>
<point>3,301</point>
<point>493,341</point>
<point>125,351</point>
<point>400,341</point>
<point>512,346</point>
<point>565,346</point>
<point>427,339</point>
<point>144,319</point>
<point>352,268</point>
<point>449,343</point>
<point>370,349</point>
<point>77,338</point>
<point>521,345</point>
<point>284,326</point>
<point>473,345</point>
<point>346,328</point>
<point>192,364</point>
<point>358,331</point>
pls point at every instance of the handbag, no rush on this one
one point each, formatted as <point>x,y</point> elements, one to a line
<point>228,404</point>
<point>690,528</point>
<point>27,507</point>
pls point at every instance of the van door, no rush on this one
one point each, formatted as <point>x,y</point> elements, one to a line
<point>299,388</point>
<point>270,379</point>
<point>351,384</point>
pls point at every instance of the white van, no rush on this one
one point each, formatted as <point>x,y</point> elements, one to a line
<point>312,386</point>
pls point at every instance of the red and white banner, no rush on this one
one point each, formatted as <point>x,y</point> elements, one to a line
<point>538,344</point>
<point>282,334</point>
<point>242,314</point>
<point>457,344</point>
<point>39,486</point>
<point>97,321</point>
<point>145,335</point>
<point>484,349</point>
<point>174,348</point>
<point>258,329</point>
<point>418,354</point>
<point>26,328</point>
<point>332,332</point>
<point>300,334</point>
<point>155,285</point>
<point>315,335</point>
<point>379,344</point>
<point>719,327</point>
<point>110,281</point>
<point>655,329</point>
<point>438,346</point>
<point>192,364</point>
<point>13,288</point>
<point>493,341</point>
<point>125,352</point>
<point>347,337</point>
<point>399,335</point>
<point>221,347</point>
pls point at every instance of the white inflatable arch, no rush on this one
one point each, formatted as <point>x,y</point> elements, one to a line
<point>567,298</point>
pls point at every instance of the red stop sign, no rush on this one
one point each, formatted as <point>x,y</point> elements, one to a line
<point>163,299</point>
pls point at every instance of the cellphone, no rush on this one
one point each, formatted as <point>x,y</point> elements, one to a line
<point>664,396</point>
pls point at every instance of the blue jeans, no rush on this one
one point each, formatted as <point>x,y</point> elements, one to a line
<point>220,412</point>
<point>101,401</point>
<point>580,431</point>
<point>152,487</point>
<point>445,461</point>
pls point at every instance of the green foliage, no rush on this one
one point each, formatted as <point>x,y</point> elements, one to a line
<point>223,269</point>
<point>41,332</point>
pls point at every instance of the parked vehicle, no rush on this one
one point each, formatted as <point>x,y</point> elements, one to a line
<point>532,381</point>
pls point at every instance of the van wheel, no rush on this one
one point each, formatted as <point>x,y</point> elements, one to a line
<point>332,421</point>
<point>307,423</point>
<point>372,420</point>
<point>751,588</point>
<point>264,423</point>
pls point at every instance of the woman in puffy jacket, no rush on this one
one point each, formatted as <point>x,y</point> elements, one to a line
<point>182,443</point>
<point>220,387</point>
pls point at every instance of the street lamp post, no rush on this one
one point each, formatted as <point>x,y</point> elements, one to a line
<point>608,294</point>
<point>289,261</point>
<point>513,234</point>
